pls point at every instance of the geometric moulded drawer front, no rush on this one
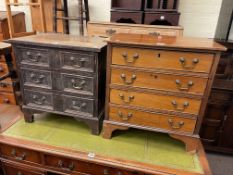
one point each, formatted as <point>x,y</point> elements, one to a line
<point>77,61</point>
<point>158,81</point>
<point>78,84</point>
<point>34,56</point>
<point>78,105</point>
<point>155,101</point>
<point>38,99</point>
<point>154,59</point>
<point>37,78</point>
<point>153,120</point>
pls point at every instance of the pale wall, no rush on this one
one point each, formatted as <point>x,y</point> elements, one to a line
<point>198,17</point>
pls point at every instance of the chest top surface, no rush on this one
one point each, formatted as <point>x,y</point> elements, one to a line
<point>167,42</point>
<point>62,41</point>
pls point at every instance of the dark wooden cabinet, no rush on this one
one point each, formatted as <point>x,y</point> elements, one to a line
<point>63,75</point>
<point>161,5</point>
<point>217,127</point>
<point>152,12</point>
<point>127,4</point>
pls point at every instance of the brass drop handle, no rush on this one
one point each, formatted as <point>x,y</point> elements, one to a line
<point>78,107</point>
<point>76,86</point>
<point>37,80</point>
<point>131,81</point>
<point>77,63</point>
<point>38,100</point>
<point>154,33</point>
<point>130,98</point>
<point>6,101</point>
<point>110,32</point>
<point>3,85</point>
<point>175,105</point>
<point>22,157</point>
<point>38,56</point>
<point>127,60</point>
<point>30,56</point>
<point>69,168</point>
<point>1,69</point>
<point>125,117</point>
<point>183,62</point>
<point>174,125</point>
<point>184,88</point>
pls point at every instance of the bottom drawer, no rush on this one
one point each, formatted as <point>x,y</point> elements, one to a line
<point>12,169</point>
<point>7,98</point>
<point>166,122</point>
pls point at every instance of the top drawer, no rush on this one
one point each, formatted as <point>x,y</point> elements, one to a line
<point>77,61</point>
<point>33,56</point>
<point>160,59</point>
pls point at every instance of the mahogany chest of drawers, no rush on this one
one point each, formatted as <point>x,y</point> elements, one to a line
<point>159,83</point>
<point>62,74</point>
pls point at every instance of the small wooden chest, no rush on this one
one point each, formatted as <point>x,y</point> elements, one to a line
<point>62,74</point>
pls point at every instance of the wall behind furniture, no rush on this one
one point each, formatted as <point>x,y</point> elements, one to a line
<point>199,18</point>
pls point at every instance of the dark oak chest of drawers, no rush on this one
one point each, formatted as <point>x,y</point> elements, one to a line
<point>159,83</point>
<point>63,75</point>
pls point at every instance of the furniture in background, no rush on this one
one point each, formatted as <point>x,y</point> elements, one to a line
<point>41,17</point>
<point>62,74</point>
<point>217,127</point>
<point>159,83</point>
<point>18,19</point>
<point>151,12</point>
<point>106,29</point>
<point>77,152</point>
<point>9,85</point>
<point>66,17</point>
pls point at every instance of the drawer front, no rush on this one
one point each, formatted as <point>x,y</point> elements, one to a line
<point>105,31</point>
<point>11,169</point>
<point>78,84</point>
<point>33,56</point>
<point>77,61</point>
<point>38,99</point>
<point>146,58</point>
<point>166,122</point>
<point>6,85</point>
<point>156,32</point>
<point>78,105</point>
<point>154,101</point>
<point>3,69</point>
<point>20,154</point>
<point>174,83</point>
<point>72,166</point>
<point>42,79</point>
<point>7,98</point>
